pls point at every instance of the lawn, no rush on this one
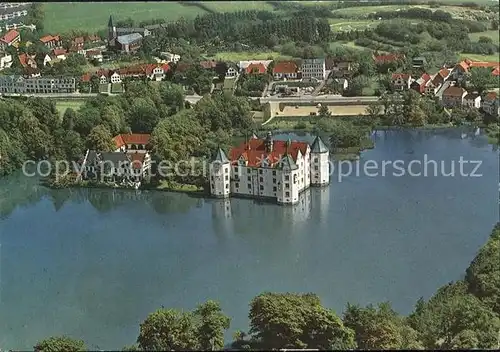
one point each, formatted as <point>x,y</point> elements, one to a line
<point>365,10</point>
<point>62,17</point>
<point>62,105</point>
<point>490,34</point>
<point>477,57</point>
<point>246,55</point>
<point>230,6</point>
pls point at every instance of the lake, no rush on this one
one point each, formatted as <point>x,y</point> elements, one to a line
<point>93,263</point>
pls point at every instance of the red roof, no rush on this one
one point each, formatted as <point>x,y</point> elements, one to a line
<point>10,36</point>
<point>454,91</point>
<point>483,64</point>
<point>78,40</point>
<point>496,72</point>
<point>286,67</point>
<point>93,52</point>
<point>491,96</point>
<point>131,138</point>
<point>208,64</point>
<point>404,76</point>
<point>137,159</point>
<point>425,77</point>
<point>86,77</point>
<point>49,38</point>
<point>93,38</point>
<point>58,52</point>
<point>254,151</point>
<point>258,68</point>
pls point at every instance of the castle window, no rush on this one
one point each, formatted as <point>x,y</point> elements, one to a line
<point>287,194</point>
<point>227,185</point>
<point>274,173</point>
<point>236,169</point>
<point>316,168</point>
<point>287,185</point>
<point>261,171</point>
<point>261,187</point>
<point>294,178</point>
<point>249,186</point>
<point>261,179</point>
<point>315,160</point>
<point>274,180</point>
<point>226,178</point>
<point>237,185</point>
<point>287,177</point>
<point>274,189</point>
<point>249,178</point>
<point>226,170</point>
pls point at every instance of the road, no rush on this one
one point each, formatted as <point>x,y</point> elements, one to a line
<point>193,99</point>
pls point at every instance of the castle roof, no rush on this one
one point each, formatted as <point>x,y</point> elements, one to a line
<point>221,157</point>
<point>318,146</point>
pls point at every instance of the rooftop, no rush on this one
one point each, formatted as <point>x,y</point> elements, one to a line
<point>128,38</point>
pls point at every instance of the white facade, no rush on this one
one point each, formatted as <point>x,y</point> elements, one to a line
<point>115,78</point>
<point>313,69</point>
<point>231,72</point>
<point>271,173</point>
<point>472,101</point>
<point>491,104</point>
<point>5,61</point>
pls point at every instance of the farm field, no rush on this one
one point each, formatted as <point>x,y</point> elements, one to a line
<point>490,34</point>
<point>477,57</point>
<point>62,105</point>
<point>62,17</point>
<point>230,6</point>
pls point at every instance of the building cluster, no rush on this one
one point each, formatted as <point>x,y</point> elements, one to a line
<point>270,169</point>
<point>447,86</point>
<point>12,10</point>
<point>129,163</point>
<point>154,72</point>
<point>36,85</point>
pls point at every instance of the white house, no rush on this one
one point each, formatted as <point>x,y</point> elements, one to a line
<point>401,81</point>
<point>313,69</point>
<point>131,142</point>
<point>472,100</point>
<point>267,168</point>
<point>46,60</point>
<point>232,71</point>
<point>103,79</point>
<point>5,61</point>
<point>170,57</point>
<point>115,78</point>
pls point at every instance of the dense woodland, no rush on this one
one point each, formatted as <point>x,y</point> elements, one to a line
<point>461,315</point>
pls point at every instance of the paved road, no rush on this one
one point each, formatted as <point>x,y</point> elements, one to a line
<point>321,99</point>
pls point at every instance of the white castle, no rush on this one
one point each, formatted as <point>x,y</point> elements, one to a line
<point>267,168</point>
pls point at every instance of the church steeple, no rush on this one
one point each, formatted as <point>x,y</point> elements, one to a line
<point>110,22</point>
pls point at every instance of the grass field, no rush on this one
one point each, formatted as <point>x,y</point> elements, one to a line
<point>340,25</point>
<point>62,105</point>
<point>490,34</point>
<point>365,10</point>
<point>62,17</point>
<point>246,55</point>
<point>230,6</point>
<point>477,57</point>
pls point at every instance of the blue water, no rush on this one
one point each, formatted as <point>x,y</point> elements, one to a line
<point>93,263</point>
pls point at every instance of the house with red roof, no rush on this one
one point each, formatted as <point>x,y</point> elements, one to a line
<point>400,81</point>
<point>419,84</point>
<point>491,104</point>
<point>51,41</point>
<point>453,96</point>
<point>10,38</point>
<point>387,58</point>
<point>59,54</point>
<point>132,142</point>
<point>268,168</point>
<point>462,68</point>
<point>27,60</point>
<point>286,70</point>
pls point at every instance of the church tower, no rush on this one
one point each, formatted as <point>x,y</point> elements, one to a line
<point>111,32</point>
<point>220,175</point>
<point>320,163</point>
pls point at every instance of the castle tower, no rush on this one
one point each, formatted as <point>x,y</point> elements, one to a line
<point>269,143</point>
<point>320,166</point>
<point>222,217</point>
<point>220,175</point>
<point>288,185</point>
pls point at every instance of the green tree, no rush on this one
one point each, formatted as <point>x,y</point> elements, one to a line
<point>172,96</point>
<point>296,321</point>
<point>481,78</point>
<point>168,330</point>
<point>60,344</point>
<point>100,139</point>
<point>211,323</point>
<point>324,112</point>
<point>143,115</point>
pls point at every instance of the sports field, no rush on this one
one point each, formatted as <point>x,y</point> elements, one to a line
<point>62,105</point>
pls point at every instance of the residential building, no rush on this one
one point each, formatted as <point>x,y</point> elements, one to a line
<point>115,78</point>
<point>95,54</point>
<point>26,60</point>
<point>432,86</point>
<point>46,60</point>
<point>461,69</point>
<point>11,38</point>
<point>243,65</point>
<point>419,84</point>
<point>132,142</point>
<point>51,42</point>
<point>255,69</point>
<point>5,61</point>
<point>340,67</point>
<point>78,43</point>
<point>170,57</point>
<point>400,81</point>
<point>441,77</point>
<point>472,100</point>
<point>46,85</point>
<point>232,71</point>
<point>387,58</point>
<point>340,84</point>
<point>121,167</point>
<point>93,38</point>
<point>313,69</point>
<point>59,54</point>
<point>418,62</point>
<point>286,70</point>
<point>453,96</point>
<point>267,168</point>
<point>491,104</point>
